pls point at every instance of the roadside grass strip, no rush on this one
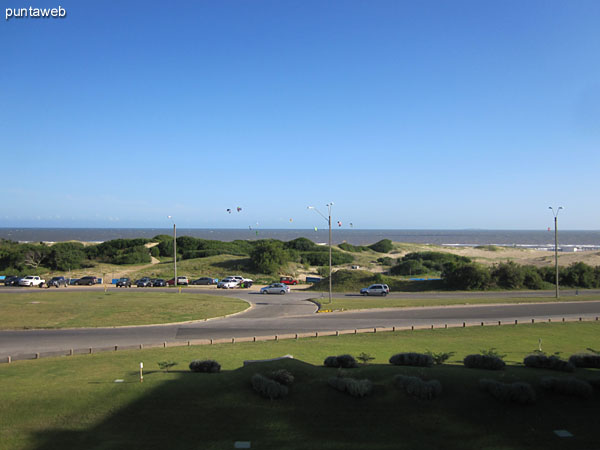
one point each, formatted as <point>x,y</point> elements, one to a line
<point>98,401</point>
<point>40,309</point>
<point>359,302</point>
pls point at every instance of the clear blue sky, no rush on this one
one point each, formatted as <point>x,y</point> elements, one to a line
<point>420,114</point>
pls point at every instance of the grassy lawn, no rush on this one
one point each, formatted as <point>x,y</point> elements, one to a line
<point>74,403</point>
<point>348,303</point>
<point>63,309</point>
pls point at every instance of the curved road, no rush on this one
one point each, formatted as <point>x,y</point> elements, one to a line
<point>277,315</point>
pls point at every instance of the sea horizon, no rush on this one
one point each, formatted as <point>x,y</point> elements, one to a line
<point>585,239</point>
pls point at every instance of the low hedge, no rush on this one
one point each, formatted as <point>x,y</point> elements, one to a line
<point>281,376</point>
<point>548,362</point>
<point>568,386</point>
<point>416,387</point>
<point>206,366</point>
<point>483,362</point>
<point>351,386</point>
<point>412,359</point>
<point>267,387</point>
<point>517,392</point>
<point>341,361</point>
<point>585,360</point>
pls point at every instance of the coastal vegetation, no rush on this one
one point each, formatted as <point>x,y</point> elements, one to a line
<point>89,400</point>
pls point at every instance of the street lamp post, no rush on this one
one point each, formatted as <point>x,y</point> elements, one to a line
<point>555,214</point>
<point>174,251</point>
<point>328,219</point>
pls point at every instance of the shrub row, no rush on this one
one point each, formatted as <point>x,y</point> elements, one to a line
<point>416,387</point>
<point>267,387</point>
<point>585,360</point>
<point>341,361</point>
<point>206,366</point>
<point>351,386</point>
<point>548,362</point>
<point>412,359</point>
<point>517,392</point>
<point>568,386</point>
<point>483,362</point>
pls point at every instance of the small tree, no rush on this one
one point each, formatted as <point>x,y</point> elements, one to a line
<point>166,365</point>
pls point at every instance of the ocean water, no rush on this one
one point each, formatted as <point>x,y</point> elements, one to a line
<point>584,240</point>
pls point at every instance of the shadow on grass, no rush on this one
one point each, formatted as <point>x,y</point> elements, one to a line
<point>212,411</point>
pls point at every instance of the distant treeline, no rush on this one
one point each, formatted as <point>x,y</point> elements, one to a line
<point>459,272</point>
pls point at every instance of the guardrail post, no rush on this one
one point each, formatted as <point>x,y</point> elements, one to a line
<point>532,320</point>
<point>165,344</point>
<point>563,319</point>
<point>580,319</point>
<point>90,350</point>
<point>254,338</point>
<point>549,320</point>
<point>337,333</point>
<point>8,359</point>
<point>394,328</point>
<point>276,337</point>
<point>464,324</point>
<point>233,340</point>
<point>412,328</point>
<point>71,352</point>
<point>446,325</point>
<point>481,323</point>
<point>211,341</point>
<point>499,322</point>
<point>374,329</point>
<point>141,346</point>
<point>116,347</point>
<point>316,334</point>
<point>355,331</point>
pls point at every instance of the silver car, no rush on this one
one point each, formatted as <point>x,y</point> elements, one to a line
<point>376,289</point>
<point>275,288</point>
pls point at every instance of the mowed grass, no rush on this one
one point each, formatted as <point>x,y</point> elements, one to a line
<point>74,403</point>
<point>374,302</point>
<point>64,309</point>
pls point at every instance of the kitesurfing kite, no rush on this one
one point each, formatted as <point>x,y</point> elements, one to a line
<point>339,223</point>
<point>239,209</point>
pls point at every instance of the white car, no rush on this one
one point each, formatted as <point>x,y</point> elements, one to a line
<point>228,283</point>
<point>31,280</point>
<point>275,288</point>
<point>376,289</point>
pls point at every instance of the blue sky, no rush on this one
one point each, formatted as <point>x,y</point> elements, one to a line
<point>421,114</point>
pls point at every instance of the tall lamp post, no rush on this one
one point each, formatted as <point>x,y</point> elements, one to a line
<point>328,219</point>
<point>174,250</point>
<point>555,214</point>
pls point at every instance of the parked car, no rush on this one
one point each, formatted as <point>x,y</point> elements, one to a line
<point>204,280</point>
<point>181,281</point>
<point>124,282</point>
<point>229,283</point>
<point>275,288</point>
<point>376,289</point>
<point>57,282</point>
<point>159,282</point>
<point>87,281</point>
<point>144,282</point>
<point>32,280</point>
<point>12,280</point>
<point>288,280</point>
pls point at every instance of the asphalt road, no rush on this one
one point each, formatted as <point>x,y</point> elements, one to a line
<point>288,314</point>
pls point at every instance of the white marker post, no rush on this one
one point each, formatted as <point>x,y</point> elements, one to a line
<point>141,372</point>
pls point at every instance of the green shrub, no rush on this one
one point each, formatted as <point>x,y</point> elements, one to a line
<point>321,258</point>
<point>568,386</point>
<point>351,386</point>
<point>548,362</point>
<point>412,359</point>
<point>483,362</point>
<point>282,376</point>
<point>353,248</point>
<point>341,361</point>
<point>585,360</point>
<point>166,365</point>
<point>518,392</point>
<point>206,366</point>
<point>439,358</point>
<point>410,267</point>
<point>301,244</point>
<point>386,261</point>
<point>466,276</point>
<point>365,358</point>
<point>154,251</point>
<point>268,388</point>
<point>383,246</point>
<point>416,387</point>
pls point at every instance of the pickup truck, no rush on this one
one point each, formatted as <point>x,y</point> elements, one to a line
<point>288,280</point>
<point>31,280</point>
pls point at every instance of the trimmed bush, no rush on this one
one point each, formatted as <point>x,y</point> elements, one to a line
<point>351,386</point>
<point>343,361</point>
<point>568,386</point>
<point>416,387</point>
<point>412,359</point>
<point>483,362</point>
<point>548,362</point>
<point>206,366</point>
<point>518,392</point>
<point>268,388</point>
<point>585,360</point>
<point>282,376</point>
<point>383,246</point>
